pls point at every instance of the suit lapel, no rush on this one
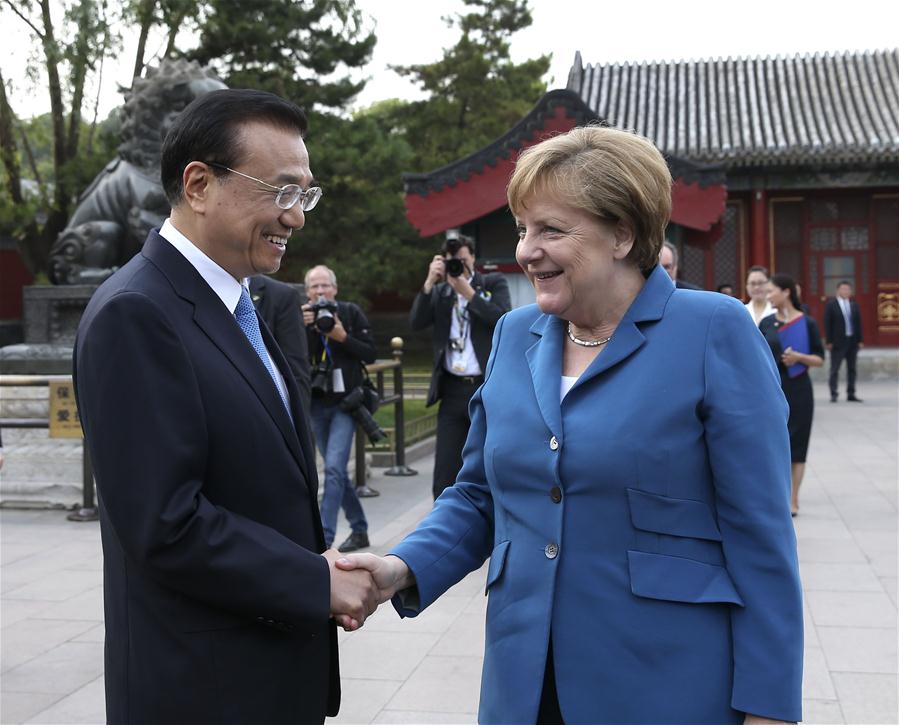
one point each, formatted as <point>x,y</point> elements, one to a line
<point>545,361</point>
<point>219,325</point>
<point>649,305</point>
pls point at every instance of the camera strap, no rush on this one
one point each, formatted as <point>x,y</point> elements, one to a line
<point>326,351</point>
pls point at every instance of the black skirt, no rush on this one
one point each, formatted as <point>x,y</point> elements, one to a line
<point>799,395</point>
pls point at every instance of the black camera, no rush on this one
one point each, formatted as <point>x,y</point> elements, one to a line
<point>320,381</point>
<point>454,267</point>
<point>353,404</point>
<point>324,311</point>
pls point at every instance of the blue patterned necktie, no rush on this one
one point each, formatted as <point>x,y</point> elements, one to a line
<point>245,314</point>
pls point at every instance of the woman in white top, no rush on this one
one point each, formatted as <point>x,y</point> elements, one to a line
<point>757,285</point>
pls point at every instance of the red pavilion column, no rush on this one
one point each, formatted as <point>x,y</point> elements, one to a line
<point>758,241</point>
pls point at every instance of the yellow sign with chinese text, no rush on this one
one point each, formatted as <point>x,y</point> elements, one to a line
<point>64,420</point>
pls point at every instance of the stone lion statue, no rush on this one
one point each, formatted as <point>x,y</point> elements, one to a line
<point>126,200</point>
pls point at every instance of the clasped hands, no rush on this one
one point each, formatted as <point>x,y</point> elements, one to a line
<point>361,582</point>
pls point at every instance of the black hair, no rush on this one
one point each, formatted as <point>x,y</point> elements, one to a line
<point>842,282</point>
<point>785,281</point>
<point>723,285</point>
<point>452,246</point>
<point>208,130</point>
<point>758,268</point>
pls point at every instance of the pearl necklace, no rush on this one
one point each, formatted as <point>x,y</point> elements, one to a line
<point>586,343</point>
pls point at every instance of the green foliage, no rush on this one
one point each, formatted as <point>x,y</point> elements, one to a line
<point>291,48</point>
<point>476,92</point>
<point>359,228</point>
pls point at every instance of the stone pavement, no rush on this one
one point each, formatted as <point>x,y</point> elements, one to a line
<point>427,670</point>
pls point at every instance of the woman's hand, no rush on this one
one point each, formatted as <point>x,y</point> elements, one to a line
<point>756,720</point>
<point>790,357</point>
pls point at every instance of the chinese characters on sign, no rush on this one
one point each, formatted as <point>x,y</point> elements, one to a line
<point>64,420</point>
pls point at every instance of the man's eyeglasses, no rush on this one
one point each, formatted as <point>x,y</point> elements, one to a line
<point>287,195</point>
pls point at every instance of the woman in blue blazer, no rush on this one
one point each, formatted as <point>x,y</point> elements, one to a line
<point>642,558</point>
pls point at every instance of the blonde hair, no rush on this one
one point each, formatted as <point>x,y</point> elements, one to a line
<point>614,175</point>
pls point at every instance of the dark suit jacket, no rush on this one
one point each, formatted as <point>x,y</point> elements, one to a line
<point>683,284</point>
<point>835,324</point>
<point>278,304</point>
<point>491,301</point>
<point>216,599</point>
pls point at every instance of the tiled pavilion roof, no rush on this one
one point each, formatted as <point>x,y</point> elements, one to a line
<point>823,108</point>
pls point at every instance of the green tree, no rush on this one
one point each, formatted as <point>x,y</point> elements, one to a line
<point>298,50</point>
<point>475,91</point>
<point>69,54</point>
<point>359,228</point>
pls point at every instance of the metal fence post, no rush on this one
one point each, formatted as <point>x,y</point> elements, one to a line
<point>88,510</point>
<point>399,467</point>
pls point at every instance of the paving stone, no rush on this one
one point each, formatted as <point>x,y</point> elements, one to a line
<point>816,682</point>
<point>17,707</point>
<point>384,655</point>
<point>62,670</point>
<point>85,706</point>
<point>831,551</point>
<point>465,637</point>
<point>87,605</point>
<point>854,649</point>
<point>852,609</point>
<point>821,712</point>
<point>867,698</point>
<point>57,586</point>
<point>838,577</point>
<point>33,637</point>
<point>441,684</point>
<point>399,717</point>
<point>362,700</point>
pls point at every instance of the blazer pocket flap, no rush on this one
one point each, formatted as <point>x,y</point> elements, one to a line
<point>676,579</point>
<point>672,516</point>
<point>497,562</point>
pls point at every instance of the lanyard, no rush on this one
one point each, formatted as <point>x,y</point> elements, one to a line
<point>326,350</point>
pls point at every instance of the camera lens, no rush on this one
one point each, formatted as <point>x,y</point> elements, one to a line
<point>324,321</point>
<point>454,267</point>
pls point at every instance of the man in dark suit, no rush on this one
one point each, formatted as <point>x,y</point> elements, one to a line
<point>843,330</point>
<point>278,304</point>
<point>463,306</point>
<point>668,260</point>
<point>218,599</point>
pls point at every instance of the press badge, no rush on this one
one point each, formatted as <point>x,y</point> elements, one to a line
<point>337,381</point>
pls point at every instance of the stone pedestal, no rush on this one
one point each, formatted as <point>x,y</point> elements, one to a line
<point>51,317</point>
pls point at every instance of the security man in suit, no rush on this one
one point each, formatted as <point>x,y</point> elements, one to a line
<point>843,329</point>
<point>220,599</point>
<point>463,306</point>
<point>278,304</point>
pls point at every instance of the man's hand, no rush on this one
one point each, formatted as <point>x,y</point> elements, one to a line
<point>861,345</point>
<point>338,332</point>
<point>354,594</point>
<point>829,346</point>
<point>390,573</point>
<point>462,286</point>
<point>436,273</point>
<point>308,314</point>
<point>756,720</point>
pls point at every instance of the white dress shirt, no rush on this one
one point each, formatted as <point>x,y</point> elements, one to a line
<point>222,283</point>
<point>847,315</point>
<point>461,362</point>
<point>769,310</point>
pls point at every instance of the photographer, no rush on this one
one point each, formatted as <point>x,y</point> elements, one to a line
<point>339,343</point>
<point>463,306</point>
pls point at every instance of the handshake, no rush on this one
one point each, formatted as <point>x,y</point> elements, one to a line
<point>361,582</point>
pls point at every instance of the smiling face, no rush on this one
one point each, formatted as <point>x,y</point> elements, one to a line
<point>757,286</point>
<point>241,227</point>
<point>571,257</point>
